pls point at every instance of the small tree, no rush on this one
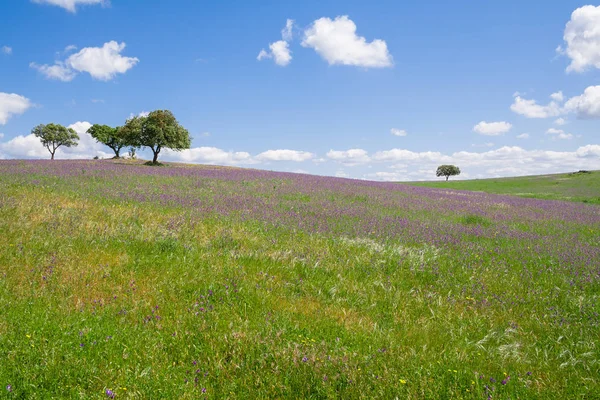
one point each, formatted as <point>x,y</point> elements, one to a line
<point>447,171</point>
<point>53,136</point>
<point>158,130</point>
<point>114,138</point>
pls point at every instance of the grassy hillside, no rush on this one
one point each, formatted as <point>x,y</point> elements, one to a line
<point>583,187</point>
<point>203,282</point>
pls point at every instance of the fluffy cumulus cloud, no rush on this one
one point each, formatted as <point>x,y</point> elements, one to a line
<point>29,146</point>
<point>285,155</point>
<point>398,132</point>
<point>102,63</point>
<point>6,50</point>
<point>582,39</point>
<point>280,51</point>
<point>523,136</point>
<point>24,146</point>
<point>531,109</point>
<point>209,155</point>
<point>492,128</point>
<point>560,121</point>
<point>504,161</point>
<point>558,96</point>
<point>349,157</point>
<point>337,42</point>
<point>558,134</point>
<point>12,104</point>
<point>587,105</point>
<point>71,5</point>
<point>57,71</point>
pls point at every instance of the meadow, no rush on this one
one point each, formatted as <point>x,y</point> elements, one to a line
<point>119,280</point>
<point>573,186</point>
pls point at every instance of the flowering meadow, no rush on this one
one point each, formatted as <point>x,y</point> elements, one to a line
<point>119,280</point>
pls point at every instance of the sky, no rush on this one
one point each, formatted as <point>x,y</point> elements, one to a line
<point>381,90</point>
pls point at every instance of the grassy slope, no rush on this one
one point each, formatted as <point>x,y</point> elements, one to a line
<point>572,187</point>
<point>156,301</point>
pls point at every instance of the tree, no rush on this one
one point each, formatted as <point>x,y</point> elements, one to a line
<point>447,171</point>
<point>114,138</point>
<point>159,130</point>
<point>53,136</point>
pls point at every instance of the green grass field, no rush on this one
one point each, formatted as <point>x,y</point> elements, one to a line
<point>132,282</point>
<point>584,187</point>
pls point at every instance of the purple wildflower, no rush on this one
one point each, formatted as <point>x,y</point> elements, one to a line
<point>203,390</point>
<point>304,359</point>
<point>9,388</point>
<point>109,393</point>
<point>505,380</point>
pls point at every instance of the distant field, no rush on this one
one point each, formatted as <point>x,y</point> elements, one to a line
<point>184,282</point>
<point>570,187</point>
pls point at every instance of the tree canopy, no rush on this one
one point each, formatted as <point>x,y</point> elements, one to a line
<point>157,131</point>
<point>54,136</point>
<point>115,138</point>
<point>447,171</point>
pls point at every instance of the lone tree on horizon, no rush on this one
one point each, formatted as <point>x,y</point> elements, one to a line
<point>54,136</point>
<point>114,138</point>
<point>158,130</point>
<point>447,171</point>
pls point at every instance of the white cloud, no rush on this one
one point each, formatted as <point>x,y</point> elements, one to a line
<point>589,151</point>
<point>12,104</point>
<point>336,41</point>
<point>286,33</point>
<point>396,155</point>
<point>492,128</point>
<point>6,50</point>
<point>57,71</point>
<point>1,135</point>
<point>558,134</point>
<point>71,5</point>
<point>285,155</point>
<point>70,48</point>
<point>29,146</point>
<point>530,108</point>
<point>209,155</point>
<point>483,145</point>
<point>558,96</point>
<point>398,132</point>
<point>523,136</point>
<point>24,147</point>
<point>560,121</point>
<point>582,38</point>
<point>349,157</point>
<point>587,105</point>
<point>279,51</point>
<point>102,63</point>
<point>142,114</point>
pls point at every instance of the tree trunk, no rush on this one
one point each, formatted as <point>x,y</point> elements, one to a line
<point>117,150</point>
<point>52,155</point>
<point>447,178</point>
<point>155,160</point>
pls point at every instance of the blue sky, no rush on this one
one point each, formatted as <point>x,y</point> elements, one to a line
<point>431,71</point>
